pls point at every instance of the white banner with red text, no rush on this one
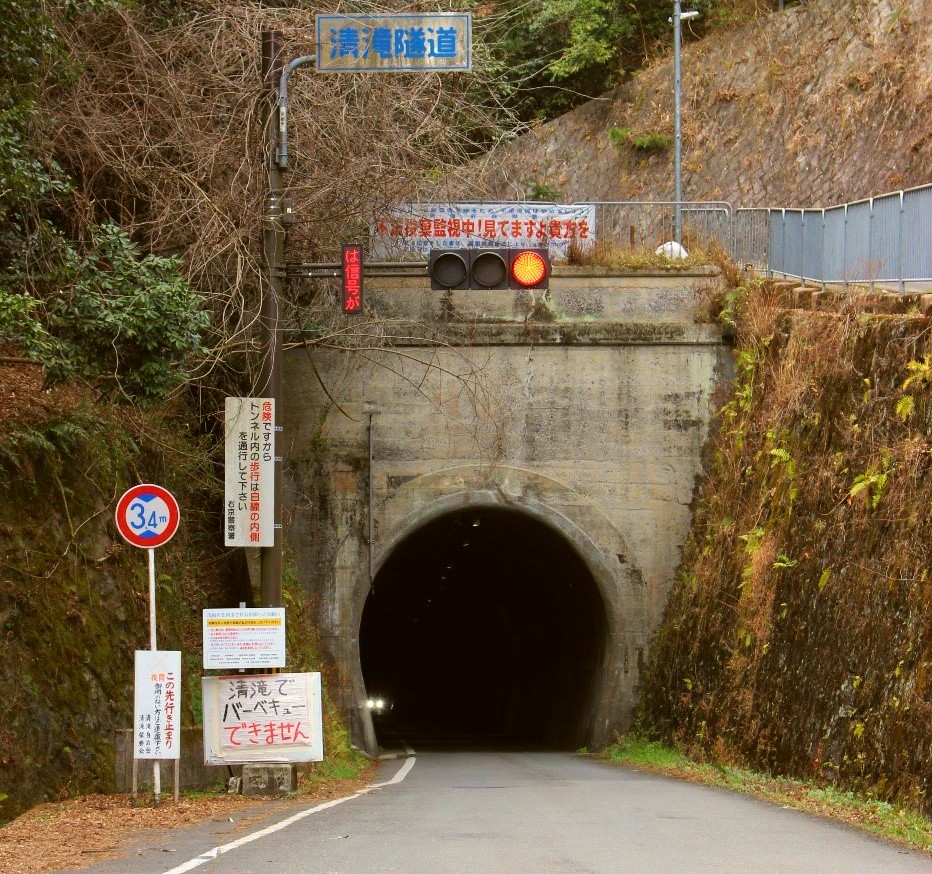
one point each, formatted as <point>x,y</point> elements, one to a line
<point>416,228</point>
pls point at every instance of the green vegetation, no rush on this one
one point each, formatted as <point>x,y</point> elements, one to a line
<point>651,143</point>
<point>543,192</point>
<point>622,138</point>
<point>94,308</point>
<point>633,749</point>
<point>560,53</point>
<point>74,605</point>
<point>877,817</point>
<point>619,137</point>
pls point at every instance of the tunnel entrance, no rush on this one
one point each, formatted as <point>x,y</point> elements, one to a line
<point>484,627</point>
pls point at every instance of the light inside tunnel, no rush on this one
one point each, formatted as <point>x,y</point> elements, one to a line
<point>484,626</point>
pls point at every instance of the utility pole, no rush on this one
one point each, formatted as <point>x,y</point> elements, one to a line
<point>273,250</point>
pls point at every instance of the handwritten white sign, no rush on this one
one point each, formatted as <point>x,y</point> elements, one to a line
<point>262,718</point>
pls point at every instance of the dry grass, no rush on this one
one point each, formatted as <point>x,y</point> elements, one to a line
<point>163,131</point>
<point>89,829</point>
<point>798,637</point>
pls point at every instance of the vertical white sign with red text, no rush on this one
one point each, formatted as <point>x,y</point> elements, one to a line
<point>249,500</point>
<point>157,712</point>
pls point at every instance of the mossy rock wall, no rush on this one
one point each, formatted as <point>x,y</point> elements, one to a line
<point>74,598</point>
<point>798,637</point>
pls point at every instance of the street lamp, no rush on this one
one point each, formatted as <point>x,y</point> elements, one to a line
<point>678,17</point>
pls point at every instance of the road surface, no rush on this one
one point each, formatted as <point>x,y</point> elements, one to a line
<point>499,812</point>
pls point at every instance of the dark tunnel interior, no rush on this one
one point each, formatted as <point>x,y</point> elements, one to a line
<point>483,627</point>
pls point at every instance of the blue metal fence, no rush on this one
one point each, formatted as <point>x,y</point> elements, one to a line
<point>882,240</point>
<point>885,240</point>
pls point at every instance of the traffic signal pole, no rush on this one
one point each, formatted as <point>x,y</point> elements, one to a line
<point>273,250</point>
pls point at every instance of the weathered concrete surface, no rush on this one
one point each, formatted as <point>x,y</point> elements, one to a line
<point>591,419</point>
<point>194,774</point>
<point>269,779</point>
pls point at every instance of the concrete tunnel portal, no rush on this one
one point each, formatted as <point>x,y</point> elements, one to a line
<point>484,626</point>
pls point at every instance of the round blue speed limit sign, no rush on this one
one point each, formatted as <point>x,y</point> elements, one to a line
<point>147,515</point>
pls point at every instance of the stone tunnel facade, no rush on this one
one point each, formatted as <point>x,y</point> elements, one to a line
<point>585,408</point>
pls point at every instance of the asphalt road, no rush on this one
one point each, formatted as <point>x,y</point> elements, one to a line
<point>532,813</point>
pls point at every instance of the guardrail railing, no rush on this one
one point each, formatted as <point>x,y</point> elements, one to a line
<point>881,240</point>
<point>884,240</point>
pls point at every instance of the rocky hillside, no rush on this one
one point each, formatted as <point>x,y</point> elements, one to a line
<point>798,637</point>
<point>822,103</point>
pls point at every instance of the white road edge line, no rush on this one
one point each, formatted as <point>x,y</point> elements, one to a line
<point>210,855</point>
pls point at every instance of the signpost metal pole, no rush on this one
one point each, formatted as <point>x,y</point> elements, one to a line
<point>152,638</point>
<point>273,247</point>
<point>156,764</point>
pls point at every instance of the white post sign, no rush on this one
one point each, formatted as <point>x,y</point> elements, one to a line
<point>250,637</point>
<point>156,715</point>
<point>249,431</point>
<point>262,718</point>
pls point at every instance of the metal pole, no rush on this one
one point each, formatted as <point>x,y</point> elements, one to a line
<point>273,248</point>
<point>900,269</point>
<point>677,127</point>
<point>153,645</point>
<point>371,499</point>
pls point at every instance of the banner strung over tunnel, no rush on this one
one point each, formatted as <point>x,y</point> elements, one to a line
<point>420,227</point>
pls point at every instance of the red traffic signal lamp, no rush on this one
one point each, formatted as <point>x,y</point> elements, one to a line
<point>453,269</point>
<point>530,268</point>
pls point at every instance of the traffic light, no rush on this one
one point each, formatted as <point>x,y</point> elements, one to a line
<point>529,268</point>
<point>453,269</point>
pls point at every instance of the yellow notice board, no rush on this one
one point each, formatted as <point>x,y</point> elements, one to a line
<point>247,637</point>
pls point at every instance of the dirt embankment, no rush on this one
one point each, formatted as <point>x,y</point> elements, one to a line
<point>824,103</point>
<point>798,636</point>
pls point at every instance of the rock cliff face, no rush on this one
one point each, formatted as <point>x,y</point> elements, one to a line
<point>798,637</point>
<point>823,103</point>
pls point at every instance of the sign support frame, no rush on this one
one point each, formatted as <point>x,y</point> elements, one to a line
<point>126,532</point>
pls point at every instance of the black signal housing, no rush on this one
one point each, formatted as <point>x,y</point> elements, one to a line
<point>488,268</point>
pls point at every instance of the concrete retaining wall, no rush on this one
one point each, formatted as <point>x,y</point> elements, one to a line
<point>587,408</point>
<point>194,774</point>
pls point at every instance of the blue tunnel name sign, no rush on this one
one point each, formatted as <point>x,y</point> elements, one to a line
<point>402,42</point>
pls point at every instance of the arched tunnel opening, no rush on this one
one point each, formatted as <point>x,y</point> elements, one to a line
<point>484,627</point>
